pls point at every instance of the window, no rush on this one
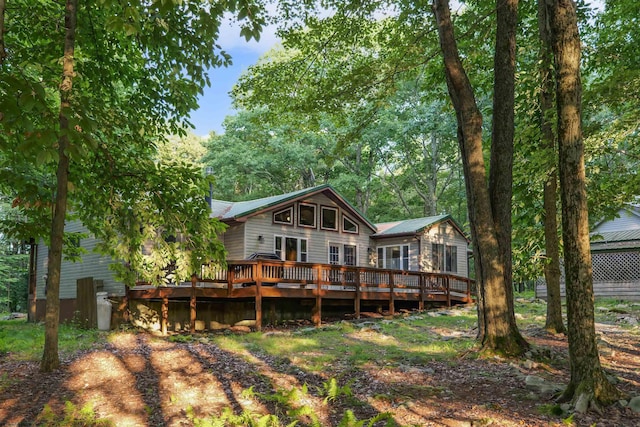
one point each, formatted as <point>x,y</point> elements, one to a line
<point>444,257</point>
<point>329,220</point>
<point>284,216</point>
<point>451,259</point>
<point>306,215</point>
<point>348,225</point>
<point>349,255</point>
<point>334,254</point>
<point>437,256</point>
<point>291,248</point>
<point>394,257</point>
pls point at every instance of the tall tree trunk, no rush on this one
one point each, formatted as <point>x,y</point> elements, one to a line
<point>588,385</point>
<point>502,134</point>
<point>50,359</point>
<point>498,333</point>
<point>554,321</point>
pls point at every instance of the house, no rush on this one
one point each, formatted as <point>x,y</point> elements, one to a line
<point>318,225</point>
<point>615,257</point>
<point>301,231</point>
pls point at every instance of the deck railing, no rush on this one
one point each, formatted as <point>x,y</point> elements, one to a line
<point>286,279</point>
<point>333,277</point>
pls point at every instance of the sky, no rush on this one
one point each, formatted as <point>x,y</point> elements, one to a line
<point>215,103</point>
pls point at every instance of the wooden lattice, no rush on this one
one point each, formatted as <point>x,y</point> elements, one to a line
<point>615,274</point>
<point>616,267</point>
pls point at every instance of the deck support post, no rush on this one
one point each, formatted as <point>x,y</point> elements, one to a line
<point>392,301</point>
<point>258,277</point>
<point>230,279</point>
<point>422,292</point>
<point>316,315</point>
<point>192,305</point>
<point>357,299</point>
<point>165,314</point>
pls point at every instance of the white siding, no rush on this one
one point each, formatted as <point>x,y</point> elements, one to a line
<point>448,235</point>
<point>234,239</point>
<point>625,221</point>
<point>92,265</point>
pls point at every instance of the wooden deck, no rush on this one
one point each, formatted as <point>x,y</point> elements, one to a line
<point>260,279</point>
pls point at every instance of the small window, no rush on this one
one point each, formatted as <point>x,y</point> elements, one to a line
<point>334,254</point>
<point>329,219</point>
<point>349,226</point>
<point>284,216</point>
<point>306,215</point>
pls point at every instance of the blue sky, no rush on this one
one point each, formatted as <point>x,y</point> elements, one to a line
<point>215,103</point>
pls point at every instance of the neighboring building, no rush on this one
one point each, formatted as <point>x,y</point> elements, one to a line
<point>313,225</point>
<point>615,256</point>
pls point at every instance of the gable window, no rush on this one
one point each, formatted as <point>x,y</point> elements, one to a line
<point>284,216</point>
<point>348,225</point>
<point>306,215</point>
<point>329,218</point>
<point>393,257</point>
<point>444,257</point>
<point>291,248</point>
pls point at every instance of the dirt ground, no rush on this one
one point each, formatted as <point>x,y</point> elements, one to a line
<point>142,380</point>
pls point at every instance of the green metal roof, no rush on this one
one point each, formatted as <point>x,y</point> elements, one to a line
<point>412,226</point>
<point>609,240</point>
<point>237,210</point>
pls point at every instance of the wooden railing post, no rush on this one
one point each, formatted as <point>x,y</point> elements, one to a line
<point>231,273</point>
<point>392,300</point>
<point>316,316</point>
<point>357,297</point>
<point>447,284</point>
<point>422,291</point>
<point>192,305</point>
<point>164,320</point>
<point>258,277</point>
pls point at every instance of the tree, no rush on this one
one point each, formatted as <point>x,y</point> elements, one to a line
<point>142,66</point>
<point>588,385</point>
<point>498,330</point>
<point>554,320</point>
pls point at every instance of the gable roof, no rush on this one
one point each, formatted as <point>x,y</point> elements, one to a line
<point>626,217</point>
<point>240,211</point>
<point>413,226</point>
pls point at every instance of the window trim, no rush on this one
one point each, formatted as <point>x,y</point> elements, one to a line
<point>315,215</point>
<point>329,208</point>
<point>344,230</point>
<point>290,209</point>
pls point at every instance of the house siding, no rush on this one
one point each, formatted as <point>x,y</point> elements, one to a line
<point>446,234</point>
<point>92,265</point>
<point>626,221</point>
<point>233,239</point>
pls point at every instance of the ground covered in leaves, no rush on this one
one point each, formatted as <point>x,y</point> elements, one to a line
<point>137,379</point>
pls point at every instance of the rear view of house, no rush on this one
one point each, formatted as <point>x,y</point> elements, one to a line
<point>301,252</point>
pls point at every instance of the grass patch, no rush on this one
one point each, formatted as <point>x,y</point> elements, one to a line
<point>23,341</point>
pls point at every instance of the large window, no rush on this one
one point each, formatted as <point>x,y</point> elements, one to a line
<point>306,215</point>
<point>349,255</point>
<point>393,257</point>
<point>291,248</point>
<point>444,257</point>
<point>329,220</point>
<point>334,254</point>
